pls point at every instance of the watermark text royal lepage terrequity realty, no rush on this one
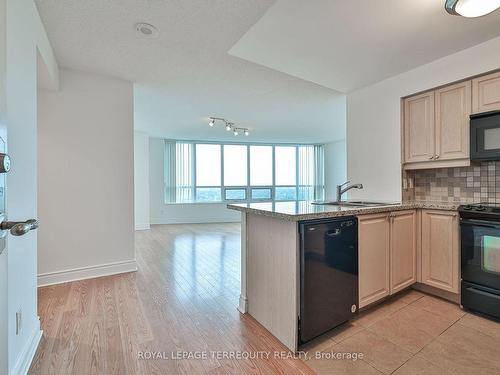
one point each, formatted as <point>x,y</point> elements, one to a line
<point>245,355</point>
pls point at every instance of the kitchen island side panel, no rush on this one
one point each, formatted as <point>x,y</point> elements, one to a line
<point>273,275</point>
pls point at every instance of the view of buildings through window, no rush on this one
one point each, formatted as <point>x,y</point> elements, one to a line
<point>214,172</point>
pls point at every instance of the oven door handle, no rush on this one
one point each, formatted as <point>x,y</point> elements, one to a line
<point>480,223</point>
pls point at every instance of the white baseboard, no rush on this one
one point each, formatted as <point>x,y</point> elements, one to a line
<point>142,226</point>
<point>26,357</point>
<point>91,272</point>
<point>243,304</point>
<point>194,220</point>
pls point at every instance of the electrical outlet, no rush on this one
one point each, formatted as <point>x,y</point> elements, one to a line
<point>19,321</point>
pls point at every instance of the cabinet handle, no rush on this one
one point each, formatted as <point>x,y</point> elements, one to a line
<point>431,158</point>
<point>437,156</point>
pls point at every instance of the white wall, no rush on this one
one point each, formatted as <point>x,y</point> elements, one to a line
<point>162,213</point>
<point>335,167</point>
<point>141,180</point>
<point>373,117</point>
<point>26,38</point>
<point>86,182</point>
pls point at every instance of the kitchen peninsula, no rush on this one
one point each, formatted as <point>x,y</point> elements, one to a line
<point>397,243</point>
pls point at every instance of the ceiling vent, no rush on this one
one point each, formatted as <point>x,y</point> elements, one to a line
<point>146,30</point>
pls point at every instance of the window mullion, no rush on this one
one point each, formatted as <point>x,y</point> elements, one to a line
<point>296,173</point>
<point>273,189</point>
<point>249,190</point>
<point>222,187</point>
<point>193,171</point>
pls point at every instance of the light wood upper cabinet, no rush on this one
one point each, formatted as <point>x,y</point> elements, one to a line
<point>440,250</point>
<point>403,243</point>
<point>374,257</point>
<point>486,93</point>
<point>436,127</point>
<point>419,128</point>
<point>452,109</point>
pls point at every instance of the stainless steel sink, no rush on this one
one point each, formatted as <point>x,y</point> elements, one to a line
<point>355,204</point>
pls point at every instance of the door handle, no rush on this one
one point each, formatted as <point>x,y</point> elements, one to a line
<point>19,228</point>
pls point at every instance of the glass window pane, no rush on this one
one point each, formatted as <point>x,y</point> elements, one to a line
<point>286,165</point>
<point>235,165</point>
<point>208,171</point>
<point>208,194</point>
<point>236,194</point>
<point>306,193</point>
<point>261,193</point>
<point>261,165</point>
<point>286,193</point>
<point>306,165</point>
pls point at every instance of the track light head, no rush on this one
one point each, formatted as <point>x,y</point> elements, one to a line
<point>228,127</point>
<point>212,122</point>
<point>235,132</point>
<point>246,132</point>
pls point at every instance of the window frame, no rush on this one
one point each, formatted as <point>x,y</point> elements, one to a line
<point>248,188</point>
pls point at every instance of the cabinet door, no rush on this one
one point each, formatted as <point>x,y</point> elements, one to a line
<point>453,108</point>
<point>403,250</point>
<point>440,250</point>
<point>373,258</point>
<point>419,128</point>
<point>486,93</point>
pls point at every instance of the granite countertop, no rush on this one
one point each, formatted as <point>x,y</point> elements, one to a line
<point>305,210</point>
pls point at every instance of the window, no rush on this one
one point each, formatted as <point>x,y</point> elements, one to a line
<point>235,165</point>
<point>215,172</point>
<point>261,165</point>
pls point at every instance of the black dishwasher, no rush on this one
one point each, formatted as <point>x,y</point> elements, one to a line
<point>328,275</point>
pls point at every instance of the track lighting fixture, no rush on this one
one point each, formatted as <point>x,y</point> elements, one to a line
<point>229,126</point>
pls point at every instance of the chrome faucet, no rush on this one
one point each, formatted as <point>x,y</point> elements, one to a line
<point>341,190</point>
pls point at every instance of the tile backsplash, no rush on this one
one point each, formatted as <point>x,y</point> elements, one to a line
<point>478,183</point>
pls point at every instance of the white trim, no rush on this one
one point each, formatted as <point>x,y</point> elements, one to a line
<point>243,305</point>
<point>82,273</point>
<point>193,220</point>
<point>142,226</point>
<point>26,357</point>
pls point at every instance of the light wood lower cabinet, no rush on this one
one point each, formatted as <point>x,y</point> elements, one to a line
<point>403,254</point>
<point>440,250</point>
<point>374,258</point>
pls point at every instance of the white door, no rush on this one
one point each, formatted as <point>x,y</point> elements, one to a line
<point>3,255</point>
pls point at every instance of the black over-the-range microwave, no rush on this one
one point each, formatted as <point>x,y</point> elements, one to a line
<point>485,136</point>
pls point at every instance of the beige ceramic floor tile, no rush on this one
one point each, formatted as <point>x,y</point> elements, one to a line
<point>463,350</point>
<point>320,343</point>
<point>420,366</point>
<point>440,307</point>
<point>328,366</point>
<point>345,331</point>
<point>408,296</point>
<point>374,314</point>
<point>472,341</point>
<point>402,331</point>
<point>489,327</point>
<point>377,351</point>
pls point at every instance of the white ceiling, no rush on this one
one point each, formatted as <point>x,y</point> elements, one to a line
<point>253,62</point>
<point>346,45</point>
<point>186,74</point>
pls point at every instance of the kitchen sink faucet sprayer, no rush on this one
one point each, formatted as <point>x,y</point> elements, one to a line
<point>341,190</point>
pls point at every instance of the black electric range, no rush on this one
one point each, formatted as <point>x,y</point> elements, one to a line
<point>480,258</point>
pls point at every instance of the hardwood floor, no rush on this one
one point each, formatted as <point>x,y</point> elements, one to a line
<point>183,298</point>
